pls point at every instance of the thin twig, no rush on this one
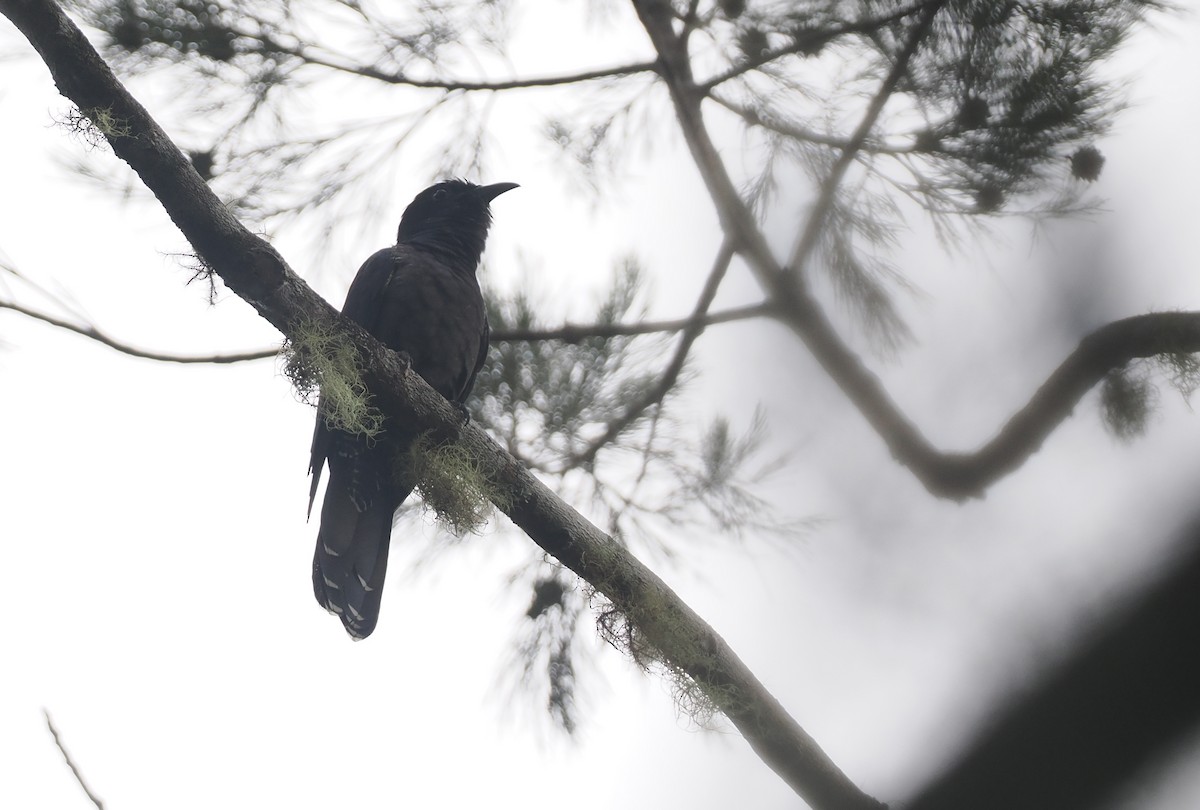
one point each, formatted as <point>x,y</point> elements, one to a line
<point>801,43</point>
<point>371,72</point>
<point>574,333</point>
<point>773,123</point>
<point>92,333</point>
<point>70,762</point>
<point>816,221</point>
<point>671,373</point>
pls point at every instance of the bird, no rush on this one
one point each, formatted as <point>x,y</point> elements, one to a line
<point>420,297</point>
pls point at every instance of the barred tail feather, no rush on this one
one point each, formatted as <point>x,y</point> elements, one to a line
<point>351,557</point>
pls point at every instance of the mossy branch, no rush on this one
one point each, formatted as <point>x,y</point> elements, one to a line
<point>457,486</point>
<point>323,362</point>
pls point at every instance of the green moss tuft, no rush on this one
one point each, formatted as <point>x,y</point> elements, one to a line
<point>628,628</point>
<point>323,365</point>
<point>452,483</point>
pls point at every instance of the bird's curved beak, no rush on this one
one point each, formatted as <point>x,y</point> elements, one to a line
<point>493,191</point>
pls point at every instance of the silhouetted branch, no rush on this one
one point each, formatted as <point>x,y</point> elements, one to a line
<point>808,41</point>
<point>574,333</point>
<point>737,221</point>
<point>1124,698</point>
<point>967,475</point>
<point>70,762</point>
<point>372,72</point>
<point>93,333</point>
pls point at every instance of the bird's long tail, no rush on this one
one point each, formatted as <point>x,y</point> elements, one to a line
<point>351,556</point>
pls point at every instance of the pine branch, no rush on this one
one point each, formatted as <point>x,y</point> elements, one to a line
<point>804,41</point>
<point>675,68</point>
<point>820,210</point>
<point>755,118</point>
<point>948,475</point>
<point>656,394</point>
<point>774,123</point>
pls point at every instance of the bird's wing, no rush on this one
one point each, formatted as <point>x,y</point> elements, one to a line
<point>366,293</point>
<point>479,360</point>
<point>362,306</point>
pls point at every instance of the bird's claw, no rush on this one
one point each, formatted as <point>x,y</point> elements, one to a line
<point>463,412</point>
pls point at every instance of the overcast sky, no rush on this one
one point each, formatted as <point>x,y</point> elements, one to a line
<point>157,597</point>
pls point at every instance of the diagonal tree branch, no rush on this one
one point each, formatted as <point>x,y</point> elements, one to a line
<point>71,763</point>
<point>252,269</point>
<point>675,68</point>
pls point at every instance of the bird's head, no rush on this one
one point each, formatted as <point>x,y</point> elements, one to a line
<point>451,217</point>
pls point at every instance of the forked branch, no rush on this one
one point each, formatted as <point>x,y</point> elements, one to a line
<point>948,475</point>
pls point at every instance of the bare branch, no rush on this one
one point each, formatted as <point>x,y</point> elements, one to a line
<point>575,333</point>
<point>966,475</point>
<point>93,333</point>
<point>70,762</point>
<point>1109,347</point>
<point>309,56</point>
<point>675,68</point>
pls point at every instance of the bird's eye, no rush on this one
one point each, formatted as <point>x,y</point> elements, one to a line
<point>439,194</point>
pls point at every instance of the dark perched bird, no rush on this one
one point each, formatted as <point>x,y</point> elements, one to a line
<point>420,297</point>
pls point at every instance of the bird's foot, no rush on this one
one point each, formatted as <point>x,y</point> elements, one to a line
<point>463,412</point>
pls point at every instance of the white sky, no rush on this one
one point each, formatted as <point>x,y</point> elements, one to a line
<point>157,596</point>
